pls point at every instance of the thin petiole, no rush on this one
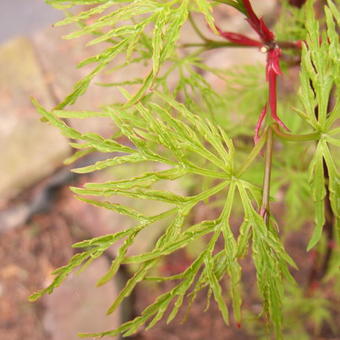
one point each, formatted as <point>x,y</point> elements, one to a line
<point>212,44</point>
<point>294,138</point>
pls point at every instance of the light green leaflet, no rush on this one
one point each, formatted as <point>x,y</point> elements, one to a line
<point>319,76</point>
<point>180,129</point>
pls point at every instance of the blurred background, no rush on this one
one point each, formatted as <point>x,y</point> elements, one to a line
<point>36,233</point>
<point>39,217</point>
<point>25,17</point>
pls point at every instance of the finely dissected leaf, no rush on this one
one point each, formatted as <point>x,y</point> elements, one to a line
<point>119,208</point>
<point>116,263</point>
<point>230,244</point>
<point>207,130</point>
<point>168,22</point>
<point>141,92</point>
<point>157,40</point>
<point>217,291</point>
<point>133,31</point>
<point>84,14</point>
<point>64,128</point>
<point>165,34</point>
<point>100,165</point>
<point>319,75</point>
<point>82,85</point>
<point>335,11</point>
<point>154,195</point>
<point>77,155</point>
<point>122,14</point>
<point>181,241</point>
<point>176,127</point>
<point>320,68</point>
<point>143,181</point>
<point>318,193</point>
<point>205,7</point>
<point>62,272</point>
<point>78,114</point>
<point>183,287</point>
<point>270,260</point>
<point>126,291</point>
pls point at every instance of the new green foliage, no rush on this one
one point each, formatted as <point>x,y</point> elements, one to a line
<point>320,75</point>
<point>173,125</point>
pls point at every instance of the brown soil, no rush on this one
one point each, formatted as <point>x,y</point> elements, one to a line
<point>29,254</point>
<point>27,257</point>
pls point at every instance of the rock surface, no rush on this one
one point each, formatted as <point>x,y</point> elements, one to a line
<point>30,149</point>
<point>78,306</point>
<point>25,17</point>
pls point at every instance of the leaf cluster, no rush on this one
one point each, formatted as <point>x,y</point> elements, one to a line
<point>174,126</point>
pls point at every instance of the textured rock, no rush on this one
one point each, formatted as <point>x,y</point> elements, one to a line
<point>25,17</point>
<point>78,306</point>
<point>30,149</point>
<point>60,59</point>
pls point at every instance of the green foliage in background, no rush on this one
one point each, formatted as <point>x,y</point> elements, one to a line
<point>172,116</point>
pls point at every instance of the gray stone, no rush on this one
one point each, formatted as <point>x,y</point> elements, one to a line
<point>25,17</point>
<point>30,149</point>
<point>60,58</point>
<point>78,306</point>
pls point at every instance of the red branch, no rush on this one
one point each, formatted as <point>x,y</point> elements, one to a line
<point>267,41</point>
<point>239,39</point>
<point>272,72</point>
<point>258,25</point>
